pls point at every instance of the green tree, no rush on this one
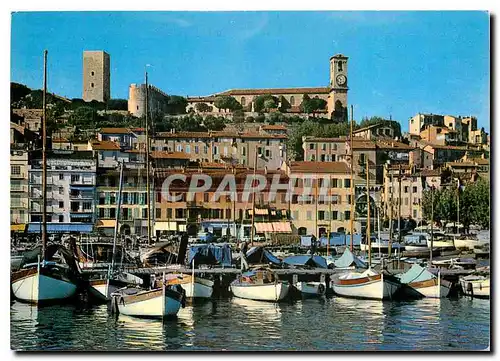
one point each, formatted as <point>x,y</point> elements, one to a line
<point>265,102</point>
<point>117,104</point>
<point>176,105</point>
<point>311,106</point>
<point>227,102</point>
<point>203,107</point>
<point>214,123</point>
<point>18,91</point>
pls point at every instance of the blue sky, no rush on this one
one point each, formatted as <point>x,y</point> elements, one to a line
<point>400,63</point>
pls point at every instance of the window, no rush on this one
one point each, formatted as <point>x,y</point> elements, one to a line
<point>333,182</point>
<point>309,215</point>
<point>292,100</point>
<point>311,146</point>
<point>75,178</point>
<point>347,215</point>
<point>144,213</point>
<point>196,149</point>
<point>414,213</point>
<point>228,213</point>
<point>158,213</point>
<point>334,157</point>
<point>243,101</point>
<point>335,215</point>
<point>101,213</point>
<point>243,151</point>
<point>206,197</point>
<point>112,213</point>
<point>313,158</point>
<point>347,183</point>
<point>61,218</point>
<point>323,146</point>
<point>15,169</point>
<point>169,213</point>
<point>414,189</point>
<point>268,153</point>
<point>188,148</point>
<point>322,157</point>
<point>92,73</point>
<point>406,189</point>
<point>61,190</point>
<point>87,206</point>
<point>340,66</point>
<point>91,85</point>
<point>179,147</point>
<point>61,204</point>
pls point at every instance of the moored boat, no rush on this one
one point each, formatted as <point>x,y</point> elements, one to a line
<point>260,285</point>
<point>469,242</point>
<point>475,286</point>
<point>368,284</point>
<point>43,282</point>
<point>311,289</point>
<point>158,302</point>
<point>425,283</point>
<point>195,287</point>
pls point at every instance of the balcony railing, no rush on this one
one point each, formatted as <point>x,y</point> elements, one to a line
<point>81,196</point>
<point>21,175</point>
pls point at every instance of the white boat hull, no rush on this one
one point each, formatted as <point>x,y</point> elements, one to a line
<point>37,288</point>
<point>197,290</point>
<point>415,248</point>
<point>440,244</point>
<point>155,305</point>
<point>264,292</point>
<point>476,288</point>
<point>434,288</point>
<point>103,291</point>
<point>378,289</point>
<point>469,243</point>
<point>311,288</point>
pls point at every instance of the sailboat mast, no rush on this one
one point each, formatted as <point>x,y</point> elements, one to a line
<point>148,200</point>
<point>368,235</point>
<point>44,158</point>
<point>351,183</point>
<point>253,197</point>
<point>117,216</point>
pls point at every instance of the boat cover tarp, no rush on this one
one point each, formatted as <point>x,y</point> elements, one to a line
<point>340,239</point>
<point>348,259</point>
<point>210,254</point>
<point>415,274</point>
<point>306,241</point>
<point>256,255</point>
<point>306,260</point>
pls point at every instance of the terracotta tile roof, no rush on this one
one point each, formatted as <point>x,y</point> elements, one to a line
<point>390,144</point>
<point>169,155</point>
<point>209,98</point>
<point>461,164</point>
<point>273,127</point>
<point>277,91</point>
<point>481,161</point>
<point>183,135</point>
<point>370,127</point>
<point>223,134</point>
<point>104,145</point>
<point>451,147</point>
<point>430,172</point>
<point>120,130</point>
<point>319,167</point>
<point>363,144</point>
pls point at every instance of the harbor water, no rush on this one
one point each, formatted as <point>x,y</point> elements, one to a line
<point>233,324</point>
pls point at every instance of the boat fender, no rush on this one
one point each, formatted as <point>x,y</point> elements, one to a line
<point>321,288</point>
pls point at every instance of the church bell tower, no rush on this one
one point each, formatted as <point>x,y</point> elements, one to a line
<point>337,99</point>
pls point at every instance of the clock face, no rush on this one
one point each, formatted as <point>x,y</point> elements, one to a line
<point>341,79</point>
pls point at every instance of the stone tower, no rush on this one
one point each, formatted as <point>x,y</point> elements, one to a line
<point>96,78</point>
<point>337,99</point>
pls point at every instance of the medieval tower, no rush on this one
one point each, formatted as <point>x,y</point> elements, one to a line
<point>337,99</point>
<point>96,76</point>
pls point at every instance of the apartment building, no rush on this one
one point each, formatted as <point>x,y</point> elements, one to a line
<point>71,183</point>
<point>19,167</point>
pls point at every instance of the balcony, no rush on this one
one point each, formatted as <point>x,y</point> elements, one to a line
<point>81,211</point>
<point>194,204</point>
<point>22,175</point>
<point>82,196</point>
<point>18,203</point>
<point>20,188</point>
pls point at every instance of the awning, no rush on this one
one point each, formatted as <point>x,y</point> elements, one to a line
<point>263,227</point>
<point>17,227</point>
<point>259,212</point>
<point>61,228</point>
<point>82,187</point>
<point>106,223</point>
<point>165,226</point>
<point>282,227</point>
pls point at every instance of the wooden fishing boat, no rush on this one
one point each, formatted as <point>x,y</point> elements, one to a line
<point>158,302</point>
<point>425,283</point>
<point>475,286</point>
<point>43,282</point>
<point>195,287</point>
<point>369,284</point>
<point>260,285</point>
<point>311,289</point>
<point>102,288</point>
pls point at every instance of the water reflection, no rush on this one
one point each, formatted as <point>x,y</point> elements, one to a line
<point>238,324</point>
